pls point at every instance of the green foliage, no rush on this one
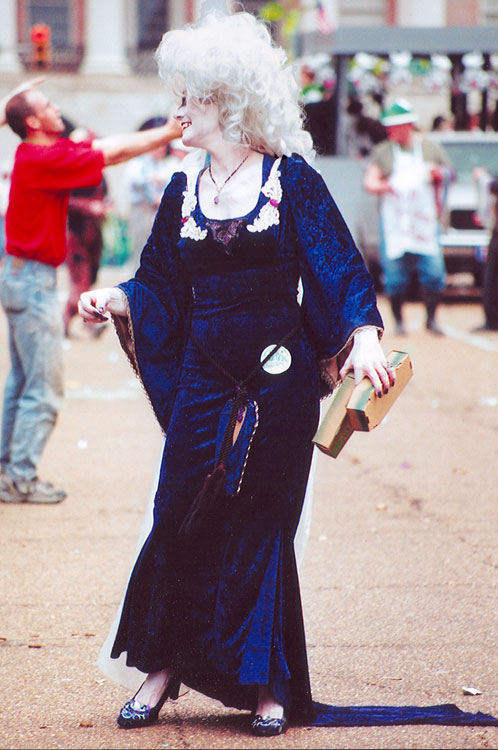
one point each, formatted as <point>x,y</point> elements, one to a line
<point>116,248</point>
<point>291,21</point>
<point>272,12</point>
<point>420,66</point>
<point>286,14</point>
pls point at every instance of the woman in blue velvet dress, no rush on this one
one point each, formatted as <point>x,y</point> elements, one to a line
<point>234,369</point>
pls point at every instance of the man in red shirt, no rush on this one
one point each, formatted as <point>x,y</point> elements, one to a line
<point>46,168</point>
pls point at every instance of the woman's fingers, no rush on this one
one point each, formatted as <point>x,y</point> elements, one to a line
<point>96,304</point>
<point>391,374</point>
<point>347,366</point>
<point>92,306</point>
<point>384,378</point>
<point>381,374</point>
<point>375,378</point>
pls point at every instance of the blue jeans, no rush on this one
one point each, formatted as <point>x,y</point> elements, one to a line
<point>33,389</point>
<point>431,271</point>
<point>2,235</point>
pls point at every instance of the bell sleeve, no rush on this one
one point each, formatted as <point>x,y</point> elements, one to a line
<point>157,298</point>
<point>338,292</point>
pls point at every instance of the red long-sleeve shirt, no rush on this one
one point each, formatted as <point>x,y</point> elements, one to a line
<point>35,223</point>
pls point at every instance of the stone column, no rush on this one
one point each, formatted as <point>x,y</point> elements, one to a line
<point>105,38</point>
<point>464,12</point>
<point>9,60</point>
<point>203,7</point>
<point>421,12</point>
<point>181,12</point>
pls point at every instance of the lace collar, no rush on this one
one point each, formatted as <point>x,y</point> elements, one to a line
<point>267,216</point>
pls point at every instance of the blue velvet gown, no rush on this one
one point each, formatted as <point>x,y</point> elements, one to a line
<point>224,612</point>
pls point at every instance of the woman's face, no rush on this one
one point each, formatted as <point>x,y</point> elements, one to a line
<point>199,121</point>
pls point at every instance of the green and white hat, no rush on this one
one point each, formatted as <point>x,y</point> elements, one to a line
<point>399,113</point>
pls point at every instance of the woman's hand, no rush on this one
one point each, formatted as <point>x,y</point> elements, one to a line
<point>367,359</point>
<point>93,305</point>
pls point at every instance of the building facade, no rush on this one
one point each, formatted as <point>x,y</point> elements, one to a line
<point>119,36</point>
<point>99,59</point>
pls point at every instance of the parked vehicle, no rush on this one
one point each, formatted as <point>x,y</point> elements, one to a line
<point>465,239</point>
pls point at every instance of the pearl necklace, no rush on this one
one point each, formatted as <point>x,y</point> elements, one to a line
<point>216,198</point>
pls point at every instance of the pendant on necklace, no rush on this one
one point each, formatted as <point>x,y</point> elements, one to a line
<point>216,198</point>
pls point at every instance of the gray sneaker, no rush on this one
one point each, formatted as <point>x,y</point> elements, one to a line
<point>3,476</point>
<point>29,491</point>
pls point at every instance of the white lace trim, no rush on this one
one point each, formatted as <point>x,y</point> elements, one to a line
<point>269,214</point>
<point>192,230</point>
<point>189,227</point>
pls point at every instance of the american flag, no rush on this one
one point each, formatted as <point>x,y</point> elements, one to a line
<point>325,24</point>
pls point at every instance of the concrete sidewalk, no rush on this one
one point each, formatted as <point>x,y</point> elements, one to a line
<point>399,581</point>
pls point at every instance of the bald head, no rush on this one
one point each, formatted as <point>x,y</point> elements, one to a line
<point>18,108</point>
<point>31,113</point>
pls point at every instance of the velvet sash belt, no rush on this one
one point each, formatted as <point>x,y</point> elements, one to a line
<point>231,454</point>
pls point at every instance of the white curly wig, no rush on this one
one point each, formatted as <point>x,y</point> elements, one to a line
<point>233,61</point>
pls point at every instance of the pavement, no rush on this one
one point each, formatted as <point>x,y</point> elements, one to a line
<point>399,579</point>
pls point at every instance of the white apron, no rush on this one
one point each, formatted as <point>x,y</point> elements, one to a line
<point>409,215</point>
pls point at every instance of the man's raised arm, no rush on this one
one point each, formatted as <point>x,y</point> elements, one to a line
<point>124,146</point>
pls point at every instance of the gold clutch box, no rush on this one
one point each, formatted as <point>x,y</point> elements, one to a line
<point>358,408</point>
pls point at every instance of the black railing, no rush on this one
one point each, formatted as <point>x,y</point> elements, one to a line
<point>63,59</point>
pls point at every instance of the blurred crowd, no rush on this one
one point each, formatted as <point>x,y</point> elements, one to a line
<point>92,210</point>
<point>94,228</point>
<point>404,168</point>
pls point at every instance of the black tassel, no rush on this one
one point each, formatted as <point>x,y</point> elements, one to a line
<point>212,498</point>
<point>205,505</point>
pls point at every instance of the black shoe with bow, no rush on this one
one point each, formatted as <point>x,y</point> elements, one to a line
<point>135,714</point>
<point>267,726</point>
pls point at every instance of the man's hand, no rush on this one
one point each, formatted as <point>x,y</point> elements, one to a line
<point>436,173</point>
<point>376,182</point>
<point>122,147</point>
